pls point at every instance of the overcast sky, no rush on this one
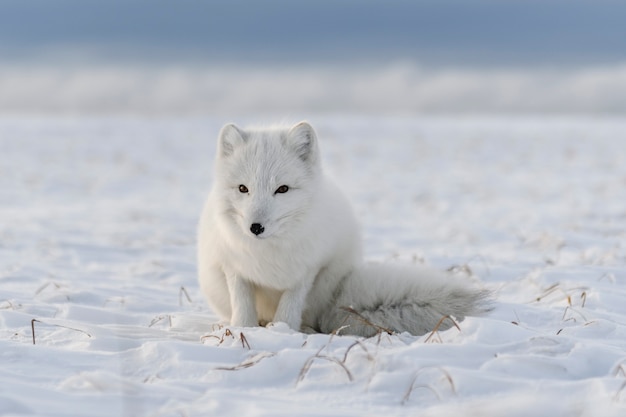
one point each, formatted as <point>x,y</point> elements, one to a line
<point>448,32</point>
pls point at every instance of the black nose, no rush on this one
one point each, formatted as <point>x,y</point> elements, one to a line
<point>257,228</point>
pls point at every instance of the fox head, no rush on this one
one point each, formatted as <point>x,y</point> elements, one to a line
<point>266,177</point>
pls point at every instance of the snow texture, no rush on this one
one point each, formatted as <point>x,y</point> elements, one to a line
<point>97,245</point>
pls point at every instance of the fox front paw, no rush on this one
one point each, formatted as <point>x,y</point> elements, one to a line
<point>279,326</point>
<point>244,322</point>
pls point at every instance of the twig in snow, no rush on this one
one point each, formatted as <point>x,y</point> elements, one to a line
<point>227,333</point>
<point>244,341</point>
<point>161,318</point>
<point>517,317</point>
<point>435,331</point>
<point>583,297</point>
<point>208,336</point>
<point>362,346</point>
<point>552,288</point>
<point>608,275</point>
<point>619,369</point>
<point>318,355</point>
<point>412,387</point>
<point>49,283</point>
<point>46,285</point>
<point>567,293</point>
<point>184,292</point>
<point>570,308</point>
<point>32,326</point>
<point>307,366</point>
<point>361,318</point>
<point>619,392</point>
<point>425,386</point>
<point>248,363</point>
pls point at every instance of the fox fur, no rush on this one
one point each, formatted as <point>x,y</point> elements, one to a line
<point>279,242</point>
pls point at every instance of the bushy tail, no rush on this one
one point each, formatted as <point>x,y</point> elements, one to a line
<point>383,297</point>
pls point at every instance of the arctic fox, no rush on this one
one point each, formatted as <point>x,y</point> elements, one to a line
<point>278,242</point>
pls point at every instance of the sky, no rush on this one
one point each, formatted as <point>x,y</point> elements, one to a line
<point>454,32</point>
<point>524,45</point>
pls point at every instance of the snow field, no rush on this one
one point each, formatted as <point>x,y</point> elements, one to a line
<point>97,244</point>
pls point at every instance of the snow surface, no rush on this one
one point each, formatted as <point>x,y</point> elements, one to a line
<point>97,244</point>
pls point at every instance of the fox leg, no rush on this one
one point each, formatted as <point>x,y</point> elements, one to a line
<point>242,302</point>
<point>291,305</point>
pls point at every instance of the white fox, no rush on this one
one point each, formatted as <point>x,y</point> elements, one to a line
<point>278,242</point>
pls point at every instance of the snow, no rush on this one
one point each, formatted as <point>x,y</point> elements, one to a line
<point>97,244</point>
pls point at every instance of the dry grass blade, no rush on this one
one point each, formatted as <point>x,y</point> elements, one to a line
<point>619,369</point>
<point>244,341</point>
<point>209,336</point>
<point>227,334</point>
<point>364,320</point>
<point>583,296</point>
<point>566,293</point>
<point>362,346</point>
<point>570,308</point>
<point>340,328</point>
<point>412,387</point>
<point>181,292</point>
<point>46,285</point>
<point>435,331</point>
<point>618,394</point>
<point>552,288</point>
<point>32,326</point>
<point>307,366</point>
<point>248,363</point>
<point>160,318</point>
<point>608,275</point>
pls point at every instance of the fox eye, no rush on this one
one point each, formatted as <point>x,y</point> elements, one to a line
<point>282,189</point>
<point>243,189</point>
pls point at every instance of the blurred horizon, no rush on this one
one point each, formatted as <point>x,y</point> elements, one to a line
<point>397,56</point>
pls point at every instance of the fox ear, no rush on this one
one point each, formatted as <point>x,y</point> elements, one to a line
<point>230,137</point>
<point>304,141</point>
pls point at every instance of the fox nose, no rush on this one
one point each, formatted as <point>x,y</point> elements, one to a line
<point>257,228</point>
